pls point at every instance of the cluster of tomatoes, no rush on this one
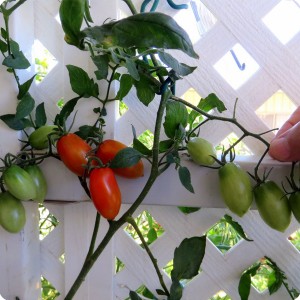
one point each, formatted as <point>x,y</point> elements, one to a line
<point>21,184</point>
<point>105,193</point>
<point>237,191</point>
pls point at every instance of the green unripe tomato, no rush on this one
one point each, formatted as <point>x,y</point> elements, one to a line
<point>236,188</point>
<point>294,201</point>
<point>39,180</point>
<point>201,151</point>
<point>12,213</point>
<point>38,139</point>
<point>19,183</point>
<point>272,205</point>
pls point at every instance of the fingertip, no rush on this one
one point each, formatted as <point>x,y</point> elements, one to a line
<point>280,150</point>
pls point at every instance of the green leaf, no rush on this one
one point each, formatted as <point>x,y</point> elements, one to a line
<point>134,296</point>
<point>176,115</point>
<point>132,69</point>
<point>127,157</point>
<point>175,290</point>
<point>87,11</point>
<point>185,178</point>
<point>237,227</point>
<point>24,88</point>
<point>71,13</point>
<point>161,292</point>
<point>152,235</point>
<point>15,124</point>
<point>3,46</point>
<point>188,210</point>
<point>146,30</point>
<point>139,146</point>
<point>87,131</point>
<point>16,61</point>
<point>81,83</point>
<point>188,257</point>
<point>40,115</point>
<point>275,285</point>
<point>180,68</point>
<point>244,286</point>
<point>126,83</point>
<point>101,62</point>
<point>165,145</point>
<point>3,33</point>
<point>25,107</point>
<point>145,90</point>
<point>66,111</point>
<point>211,102</point>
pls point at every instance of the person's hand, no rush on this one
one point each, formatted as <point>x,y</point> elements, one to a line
<point>286,145</point>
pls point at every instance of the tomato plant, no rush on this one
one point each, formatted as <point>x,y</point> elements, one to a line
<point>12,213</point>
<point>74,152</point>
<point>19,183</point>
<point>38,139</point>
<point>236,188</point>
<point>39,180</point>
<point>108,149</point>
<point>273,205</point>
<point>201,151</point>
<point>105,192</point>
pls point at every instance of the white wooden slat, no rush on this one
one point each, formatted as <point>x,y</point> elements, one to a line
<point>20,260</point>
<point>79,220</point>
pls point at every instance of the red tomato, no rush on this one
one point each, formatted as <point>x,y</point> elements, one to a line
<point>74,152</point>
<point>108,149</point>
<point>105,192</point>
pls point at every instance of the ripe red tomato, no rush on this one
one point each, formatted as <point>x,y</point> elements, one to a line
<point>108,149</point>
<point>74,152</point>
<point>105,192</point>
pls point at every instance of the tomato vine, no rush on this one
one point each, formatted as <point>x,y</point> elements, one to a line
<point>152,72</point>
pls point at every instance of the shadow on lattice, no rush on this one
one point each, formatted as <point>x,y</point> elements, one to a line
<point>44,61</point>
<point>284,20</point>
<point>150,229</point>
<point>276,110</point>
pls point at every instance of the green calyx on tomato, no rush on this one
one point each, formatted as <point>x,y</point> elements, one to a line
<point>201,151</point>
<point>39,180</point>
<point>105,192</point>
<point>236,188</point>
<point>19,183</point>
<point>12,213</point>
<point>38,139</point>
<point>273,205</point>
<point>108,149</point>
<point>74,153</point>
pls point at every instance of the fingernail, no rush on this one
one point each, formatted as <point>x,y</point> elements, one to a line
<point>279,149</point>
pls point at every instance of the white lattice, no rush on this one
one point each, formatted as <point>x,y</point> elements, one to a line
<point>23,258</point>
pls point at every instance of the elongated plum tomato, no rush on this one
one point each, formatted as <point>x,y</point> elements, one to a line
<point>235,187</point>
<point>108,149</point>
<point>105,192</point>
<point>201,151</point>
<point>12,213</point>
<point>19,183</point>
<point>74,152</point>
<point>272,205</point>
<point>39,180</point>
<point>38,139</point>
<point>294,201</point>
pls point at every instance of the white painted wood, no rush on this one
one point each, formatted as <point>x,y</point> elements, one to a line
<point>23,258</point>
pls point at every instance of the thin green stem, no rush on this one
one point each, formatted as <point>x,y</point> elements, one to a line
<point>131,221</point>
<point>131,6</point>
<point>94,236</point>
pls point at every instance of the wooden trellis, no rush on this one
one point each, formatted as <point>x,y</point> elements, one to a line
<point>24,258</point>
